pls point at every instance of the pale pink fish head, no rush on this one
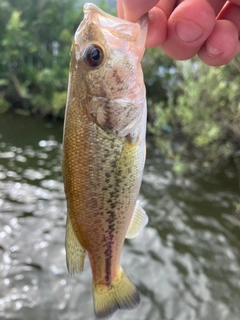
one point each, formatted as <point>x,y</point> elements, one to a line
<point>120,46</point>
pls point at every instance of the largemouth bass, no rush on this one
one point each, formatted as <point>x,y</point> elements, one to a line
<point>104,152</point>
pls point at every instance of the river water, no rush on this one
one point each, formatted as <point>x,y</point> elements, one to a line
<point>186,262</point>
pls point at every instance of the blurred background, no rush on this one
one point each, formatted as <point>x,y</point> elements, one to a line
<point>186,262</point>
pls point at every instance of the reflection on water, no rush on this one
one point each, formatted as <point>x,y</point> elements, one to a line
<point>186,262</point>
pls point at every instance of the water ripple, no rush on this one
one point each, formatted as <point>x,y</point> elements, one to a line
<point>186,262</point>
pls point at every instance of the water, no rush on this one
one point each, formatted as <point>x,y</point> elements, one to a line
<point>186,262</point>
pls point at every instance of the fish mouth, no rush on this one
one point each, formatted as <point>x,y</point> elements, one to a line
<point>120,28</point>
<point>93,7</point>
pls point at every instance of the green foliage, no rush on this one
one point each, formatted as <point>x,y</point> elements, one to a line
<point>4,105</point>
<point>159,73</point>
<point>35,43</point>
<point>203,113</point>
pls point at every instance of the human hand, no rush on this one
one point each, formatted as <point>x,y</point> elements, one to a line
<point>184,28</point>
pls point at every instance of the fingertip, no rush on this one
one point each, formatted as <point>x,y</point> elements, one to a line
<point>133,10</point>
<point>120,9</point>
<point>188,28</point>
<point>157,28</point>
<point>222,45</point>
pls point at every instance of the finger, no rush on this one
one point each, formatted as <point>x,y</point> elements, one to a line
<point>231,12</point>
<point>235,1</point>
<point>120,9</point>
<point>188,28</point>
<point>157,28</point>
<point>222,44</point>
<point>133,10</point>
<point>217,5</point>
<point>166,6</point>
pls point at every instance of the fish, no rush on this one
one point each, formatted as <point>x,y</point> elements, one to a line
<point>104,152</point>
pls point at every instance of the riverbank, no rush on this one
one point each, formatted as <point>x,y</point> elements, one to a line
<point>193,109</point>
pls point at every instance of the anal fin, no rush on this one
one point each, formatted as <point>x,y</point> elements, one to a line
<point>75,252</point>
<point>138,222</point>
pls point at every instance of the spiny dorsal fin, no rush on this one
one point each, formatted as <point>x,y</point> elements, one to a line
<point>74,251</point>
<point>138,222</point>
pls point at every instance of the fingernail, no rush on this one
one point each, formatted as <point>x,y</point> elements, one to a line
<point>188,31</point>
<point>123,9</point>
<point>212,50</point>
<point>120,9</point>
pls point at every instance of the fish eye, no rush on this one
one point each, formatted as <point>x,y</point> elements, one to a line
<point>93,55</point>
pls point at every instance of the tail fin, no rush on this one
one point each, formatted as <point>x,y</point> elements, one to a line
<point>121,294</point>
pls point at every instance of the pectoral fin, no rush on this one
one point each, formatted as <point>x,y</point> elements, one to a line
<point>74,251</point>
<point>138,222</point>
